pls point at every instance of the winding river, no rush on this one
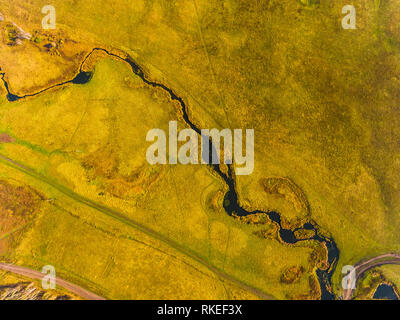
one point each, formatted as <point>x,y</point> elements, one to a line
<point>231,203</point>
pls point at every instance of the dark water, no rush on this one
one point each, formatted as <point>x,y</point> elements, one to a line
<point>385,291</point>
<point>82,78</point>
<point>10,97</point>
<point>288,236</point>
<point>207,152</point>
<point>231,204</point>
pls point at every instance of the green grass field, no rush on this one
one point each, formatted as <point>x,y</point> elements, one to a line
<point>322,101</point>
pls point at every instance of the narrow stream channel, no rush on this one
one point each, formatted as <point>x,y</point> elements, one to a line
<point>385,291</point>
<point>231,203</point>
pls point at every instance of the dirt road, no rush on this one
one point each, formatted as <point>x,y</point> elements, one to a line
<point>362,267</point>
<point>132,223</point>
<point>33,274</point>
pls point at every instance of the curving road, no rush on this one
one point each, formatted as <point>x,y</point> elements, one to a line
<point>362,267</point>
<point>34,274</point>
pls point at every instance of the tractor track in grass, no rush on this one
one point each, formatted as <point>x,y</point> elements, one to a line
<point>34,274</point>
<point>127,221</point>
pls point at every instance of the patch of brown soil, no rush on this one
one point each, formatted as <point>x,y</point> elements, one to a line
<point>5,138</point>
